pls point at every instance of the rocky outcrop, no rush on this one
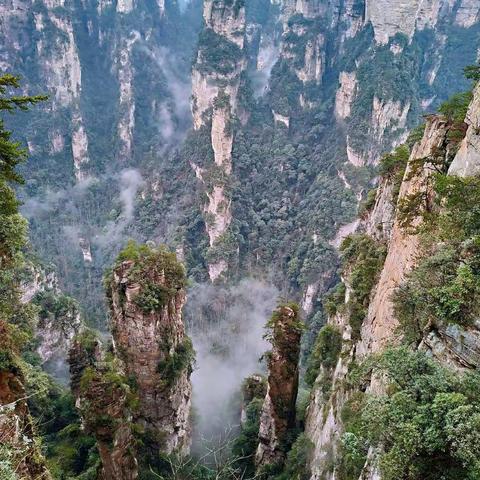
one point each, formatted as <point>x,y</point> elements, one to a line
<point>278,412</point>
<point>379,222</point>
<point>388,114</point>
<point>323,424</point>
<point>125,74</point>
<point>357,159</point>
<point>146,301</point>
<point>58,319</point>
<point>379,327</point>
<point>389,18</point>
<point>452,345</point>
<point>215,87</point>
<point>345,94</point>
<point>102,400</point>
<point>313,61</point>
<point>138,388</point>
<point>63,76</point>
<point>467,159</point>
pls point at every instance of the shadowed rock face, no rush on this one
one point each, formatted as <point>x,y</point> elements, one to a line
<point>101,398</point>
<point>151,343</point>
<point>278,412</point>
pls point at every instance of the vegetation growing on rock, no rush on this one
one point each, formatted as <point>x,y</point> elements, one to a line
<point>426,425</point>
<point>363,258</point>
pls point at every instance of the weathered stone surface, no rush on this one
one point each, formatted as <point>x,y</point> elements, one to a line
<point>278,412</point>
<point>379,327</point>
<point>379,222</point>
<point>102,403</point>
<point>454,345</point>
<point>467,161</point>
<point>142,341</point>
<point>345,94</point>
<point>323,425</point>
<point>314,61</point>
<point>450,345</point>
<point>214,97</point>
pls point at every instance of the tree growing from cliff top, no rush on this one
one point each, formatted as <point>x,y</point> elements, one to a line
<point>13,227</point>
<point>19,455</point>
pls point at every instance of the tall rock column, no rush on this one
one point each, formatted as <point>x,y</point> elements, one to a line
<point>146,292</point>
<point>216,79</point>
<point>278,412</point>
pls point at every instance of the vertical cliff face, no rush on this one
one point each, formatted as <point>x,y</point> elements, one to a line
<point>62,74</point>
<point>391,223</point>
<point>403,249</point>
<point>147,298</point>
<point>278,411</point>
<point>58,319</point>
<point>467,159</point>
<point>216,80</point>
<point>390,18</point>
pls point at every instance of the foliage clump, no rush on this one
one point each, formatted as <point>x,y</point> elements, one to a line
<point>334,301</point>
<point>325,353</point>
<point>425,426</point>
<point>284,330</point>
<point>363,257</point>
<point>444,286</point>
<point>297,465</point>
<point>218,54</point>
<point>245,445</point>
<point>174,364</point>
<point>455,108</point>
<point>157,271</point>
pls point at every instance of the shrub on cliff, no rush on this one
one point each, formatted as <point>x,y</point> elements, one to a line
<point>426,425</point>
<point>157,271</point>
<point>245,445</point>
<point>297,463</point>
<point>325,352</point>
<point>364,258</point>
<point>444,286</point>
<point>174,364</point>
